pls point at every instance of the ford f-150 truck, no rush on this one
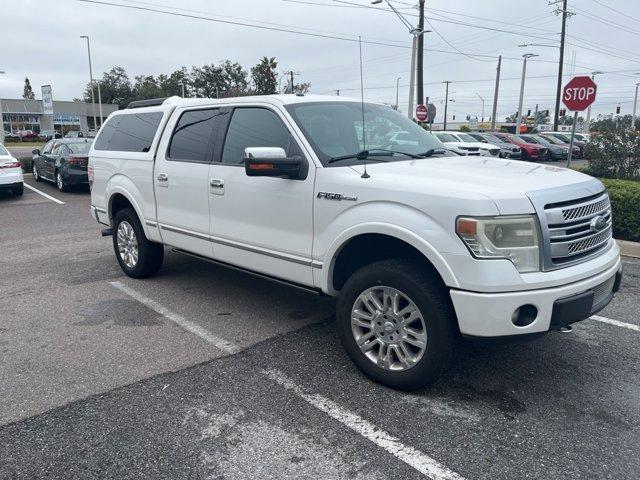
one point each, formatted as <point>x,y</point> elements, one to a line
<point>420,247</point>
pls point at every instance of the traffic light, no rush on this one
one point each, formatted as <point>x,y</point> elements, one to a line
<point>563,112</point>
<point>468,117</point>
<point>454,116</point>
<point>546,113</point>
<point>529,113</point>
<point>618,110</point>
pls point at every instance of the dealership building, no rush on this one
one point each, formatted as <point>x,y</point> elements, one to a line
<point>21,114</point>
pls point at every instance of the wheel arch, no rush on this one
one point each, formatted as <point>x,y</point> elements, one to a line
<point>118,199</point>
<point>363,240</point>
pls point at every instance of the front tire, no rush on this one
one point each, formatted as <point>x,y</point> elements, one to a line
<point>138,256</point>
<point>36,174</point>
<point>397,324</point>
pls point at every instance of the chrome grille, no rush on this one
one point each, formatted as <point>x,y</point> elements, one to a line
<point>572,229</point>
<point>585,210</point>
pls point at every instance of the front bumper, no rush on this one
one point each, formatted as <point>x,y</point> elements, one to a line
<point>491,314</point>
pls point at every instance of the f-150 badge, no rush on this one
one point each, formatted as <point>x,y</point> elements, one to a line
<point>336,196</point>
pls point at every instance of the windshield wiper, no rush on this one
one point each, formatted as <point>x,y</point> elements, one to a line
<point>431,152</point>
<point>368,154</point>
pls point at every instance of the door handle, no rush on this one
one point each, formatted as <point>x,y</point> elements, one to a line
<point>216,183</point>
<point>162,177</point>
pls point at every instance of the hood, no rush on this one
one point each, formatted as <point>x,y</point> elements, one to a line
<point>505,182</point>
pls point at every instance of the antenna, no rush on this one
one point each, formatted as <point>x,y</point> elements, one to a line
<point>364,135</point>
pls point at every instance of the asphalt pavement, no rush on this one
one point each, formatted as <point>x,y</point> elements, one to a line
<point>206,372</point>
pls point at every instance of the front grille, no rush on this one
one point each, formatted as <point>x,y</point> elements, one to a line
<point>470,149</point>
<point>578,228</point>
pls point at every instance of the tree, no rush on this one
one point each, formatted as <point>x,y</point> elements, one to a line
<point>172,84</point>
<point>225,80</point>
<point>145,87</point>
<point>264,76</point>
<point>28,91</point>
<point>115,88</point>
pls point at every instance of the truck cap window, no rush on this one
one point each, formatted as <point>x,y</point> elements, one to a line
<point>129,132</point>
<point>256,127</point>
<point>335,129</point>
<point>192,134</point>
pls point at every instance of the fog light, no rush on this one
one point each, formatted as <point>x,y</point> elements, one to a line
<point>525,315</point>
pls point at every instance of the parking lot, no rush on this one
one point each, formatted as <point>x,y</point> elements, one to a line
<point>205,372</point>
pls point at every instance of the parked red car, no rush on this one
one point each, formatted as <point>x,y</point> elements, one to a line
<point>530,151</point>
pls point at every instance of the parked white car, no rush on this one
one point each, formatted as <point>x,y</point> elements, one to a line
<point>486,149</point>
<point>419,247</point>
<point>10,172</point>
<point>458,146</point>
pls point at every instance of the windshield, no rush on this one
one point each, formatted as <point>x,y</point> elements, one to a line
<point>335,129</point>
<point>554,140</point>
<point>446,137</point>
<point>3,151</point>
<point>491,138</point>
<point>79,148</point>
<point>465,137</point>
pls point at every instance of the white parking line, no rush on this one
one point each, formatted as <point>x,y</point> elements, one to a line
<point>616,323</point>
<point>53,199</point>
<point>203,333</point>
<point>409,455</point>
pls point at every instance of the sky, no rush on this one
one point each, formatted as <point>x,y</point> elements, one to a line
<point>40,40</point>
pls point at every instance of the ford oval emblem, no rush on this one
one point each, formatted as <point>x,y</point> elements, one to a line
<point>598,223</point>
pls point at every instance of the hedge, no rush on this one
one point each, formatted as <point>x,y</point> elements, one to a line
<point>625,203</point>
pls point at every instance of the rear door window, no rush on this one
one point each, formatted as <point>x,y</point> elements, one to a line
<point>193,136</point>
<point>133,132</point>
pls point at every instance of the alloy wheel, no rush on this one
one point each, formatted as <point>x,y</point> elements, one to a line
<point>127,244</point>
<point>388,328</point>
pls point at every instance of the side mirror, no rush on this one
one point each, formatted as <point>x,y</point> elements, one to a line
<point>35,151</point>
<point>271,162</point>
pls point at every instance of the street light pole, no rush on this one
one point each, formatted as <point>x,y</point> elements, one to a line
<point>525,57</point>
<point>446,103</point>
<point>93,98</point>
<point>588,120</point>
<point>412,80</point>
<point>420,53</point>
<point>635,104</point>
<point>1,117</point>
<point>482,100</point>
<point>397,92</point>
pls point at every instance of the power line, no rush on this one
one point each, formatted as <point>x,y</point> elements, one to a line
<point>624,14</point>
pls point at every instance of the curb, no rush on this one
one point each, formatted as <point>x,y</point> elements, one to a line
<point>629,249</point>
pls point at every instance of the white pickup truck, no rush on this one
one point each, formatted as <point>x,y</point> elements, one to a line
<point>420,247</point>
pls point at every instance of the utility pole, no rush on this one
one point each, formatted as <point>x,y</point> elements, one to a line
<point>560,63</point>
<point>495,95</point>
<point>291,73</point>
<point>397,92</point>
<point>99,105</point>
<point>420,59</point>
<point>588,120</point>
<point>525,57</point>
<point>446,103</point>
<point>482,100</point>
<point>635,104</point>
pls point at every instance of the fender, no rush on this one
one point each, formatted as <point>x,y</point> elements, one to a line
<point>124,186</point>
<point>391,230</point>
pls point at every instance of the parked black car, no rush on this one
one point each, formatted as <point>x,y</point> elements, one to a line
<point>46,135</point>
<point>556,152</point>
<point>565,138</point>
<point>63,162</point>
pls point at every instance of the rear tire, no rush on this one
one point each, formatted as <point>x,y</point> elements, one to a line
<point>60,182</point>
<point>435,317</point>
<point>138,256</point>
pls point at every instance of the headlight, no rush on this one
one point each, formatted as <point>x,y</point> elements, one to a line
<point>512,237</point>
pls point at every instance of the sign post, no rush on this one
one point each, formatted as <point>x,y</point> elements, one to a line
<point>431,115</point>
<point>577,95</point>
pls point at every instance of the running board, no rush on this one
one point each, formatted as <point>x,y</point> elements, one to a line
<point>106,232</point>
<point>315,291</point>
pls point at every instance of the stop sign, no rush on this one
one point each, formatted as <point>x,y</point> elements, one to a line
<point>579,93</point>
<point>421,113</point>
